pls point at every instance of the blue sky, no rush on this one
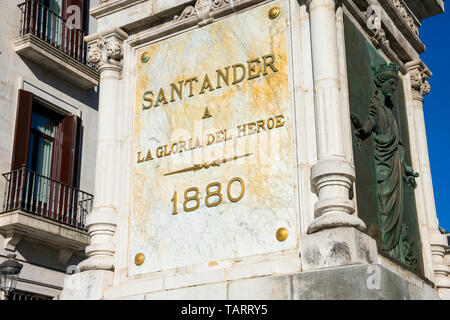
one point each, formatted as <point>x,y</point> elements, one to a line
<point>435,33</point>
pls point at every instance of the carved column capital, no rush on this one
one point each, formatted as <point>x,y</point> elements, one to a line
<point>106,49</point>
<point>419,74</point>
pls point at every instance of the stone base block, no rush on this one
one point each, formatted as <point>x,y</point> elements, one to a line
<point>86,285</point>
<point>360,282</point>
<point>355,282</point>
<point>444,294</point>
<point>337,247</point>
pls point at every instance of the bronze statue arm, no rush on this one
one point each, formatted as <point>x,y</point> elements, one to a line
<point>362,131</point>
<point>409,173</point>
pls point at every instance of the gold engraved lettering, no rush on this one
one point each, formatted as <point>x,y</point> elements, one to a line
<point>212,199</point>
<point>206,114</point>
<point>280,123</point>
<point>182,146</point>
<point>235,78</point>
<point>174,200</point>
<point>260,125</point>
<point>252,74</point>
<point>167,152</point>
<point>149,156</point>
<point>190,81</point>
<point>178,90</point>
<point>161,98</point>
<point>220,136</point>
<point>250,126</point>
<point>228,136</point>
<point>194,197</point>
<point>225,78</point>
<point>253,69</point>
<point>230,197</point>
<point>173,149</point>
<point>216,193</point>
<point>270,64</point>
<point>159,151</point>
<point>206,85</point>
<point>147,99</point>
<point>211,138</point>
<point>242,130</point>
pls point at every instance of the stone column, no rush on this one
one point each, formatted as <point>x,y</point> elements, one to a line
<point>335,236</point>
<point>419,75</point>
<point>105,51</point>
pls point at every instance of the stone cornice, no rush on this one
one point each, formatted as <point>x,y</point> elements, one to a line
<point>378,37</point>
<point>190,17</point>
<point>106,7</point>
<point>106,48</point>
<point>394,15</point>
<point>419,74</point>
<point>203,10</point>
<point>405,21</point>
<point>405,13</point>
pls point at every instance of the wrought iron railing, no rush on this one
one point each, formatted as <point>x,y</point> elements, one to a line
<point>42,22</point>
<point>34,193</point>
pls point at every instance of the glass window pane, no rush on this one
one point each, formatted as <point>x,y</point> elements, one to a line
<point>44,162</point>
<point>43,124</point>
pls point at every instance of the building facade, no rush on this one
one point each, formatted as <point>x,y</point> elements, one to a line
<point>49,106</point>
<point>254,149</point>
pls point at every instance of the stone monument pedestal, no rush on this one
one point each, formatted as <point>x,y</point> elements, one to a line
<point>86,285</point>
<point>353,282</point>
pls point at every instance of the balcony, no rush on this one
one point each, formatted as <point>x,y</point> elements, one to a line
<point>44,210</point>
<point>47,39</point>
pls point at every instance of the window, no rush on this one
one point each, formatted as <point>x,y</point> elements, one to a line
<point>45,161</point>
<point>46,142</point>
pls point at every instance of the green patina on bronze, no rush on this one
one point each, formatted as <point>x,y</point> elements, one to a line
<point>384,181</point>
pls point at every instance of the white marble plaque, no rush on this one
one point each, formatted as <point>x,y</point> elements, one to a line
<point>213,115</point>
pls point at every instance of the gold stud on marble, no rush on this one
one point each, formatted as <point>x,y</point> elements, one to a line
<point>139,259</point>
<point>282,234</point>
<point>274,12</point>
<point>145,57</point>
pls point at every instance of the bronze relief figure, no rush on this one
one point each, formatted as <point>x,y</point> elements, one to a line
<point>392,173</point>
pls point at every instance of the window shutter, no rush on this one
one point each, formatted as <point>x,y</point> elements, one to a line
<point>57,153</point>
<point>22,130</point>
<point>69,155</point>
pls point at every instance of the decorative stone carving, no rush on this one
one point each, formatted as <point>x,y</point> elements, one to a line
<point>105,51</point>
<point>380,38</point>
<point>406,15</point>
<point>202,10</point>
<point>187,13</point>
<point>419,82</point>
